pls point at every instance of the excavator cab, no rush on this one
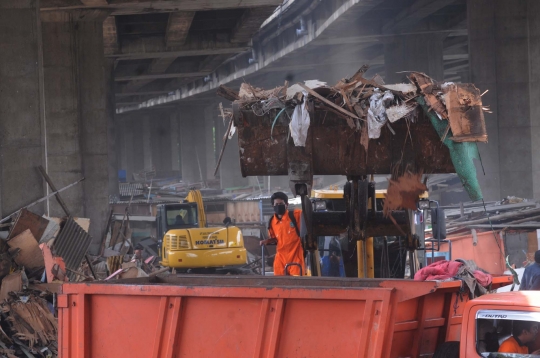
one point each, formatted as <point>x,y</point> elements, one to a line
<point>176,216</point>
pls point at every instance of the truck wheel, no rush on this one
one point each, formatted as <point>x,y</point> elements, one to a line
<point>447,350</point>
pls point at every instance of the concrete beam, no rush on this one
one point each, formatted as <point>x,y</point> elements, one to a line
<point>410,16</point>
<point>95,2</point>
<point>282,45</point>
<point>149,93</point>
<point>212,62</point>
<point>178,28</point>
<point>250,23</point>
<point>161,76</point>
<point>110,36</point>
<point>128,7</point>
<point>154,47</point>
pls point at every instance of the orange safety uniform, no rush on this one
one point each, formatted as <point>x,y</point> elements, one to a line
<point>289,245</point>
<point>512,346</point>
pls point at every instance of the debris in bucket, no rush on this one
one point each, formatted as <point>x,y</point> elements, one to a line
<point>359,127</point>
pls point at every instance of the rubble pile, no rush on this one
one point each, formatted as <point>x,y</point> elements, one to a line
<point>40,253</point>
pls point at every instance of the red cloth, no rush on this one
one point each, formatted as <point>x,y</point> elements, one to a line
<point>484,279</point>
<point>439,270</point>
<point>443,270</point>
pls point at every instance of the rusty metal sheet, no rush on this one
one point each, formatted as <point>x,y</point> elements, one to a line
<point>71,245</point>
<point>336,149</point>
<point>28,220</point>
<point>465,113</point>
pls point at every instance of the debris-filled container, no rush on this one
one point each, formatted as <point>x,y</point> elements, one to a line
<point>243,316</point>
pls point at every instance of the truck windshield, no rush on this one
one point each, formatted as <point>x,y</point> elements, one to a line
<point>178,217</point>
<point>507,333</point>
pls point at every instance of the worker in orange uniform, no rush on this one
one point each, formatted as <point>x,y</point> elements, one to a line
<point>523,333</point>
<point>284,230</point>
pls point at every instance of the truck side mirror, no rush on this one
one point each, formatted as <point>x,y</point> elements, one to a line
<point>438,224</point>
<point>227,221</point>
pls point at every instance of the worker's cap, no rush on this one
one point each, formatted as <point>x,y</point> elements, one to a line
<point>279,195</point>
<point>537,256</point>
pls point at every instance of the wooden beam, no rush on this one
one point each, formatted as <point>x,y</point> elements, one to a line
<point>129,7</point>
<point>178,28</point>
<point>161,76</point>
<point>110,36</point>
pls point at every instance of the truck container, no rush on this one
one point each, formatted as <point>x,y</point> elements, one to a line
<point>253,316</point>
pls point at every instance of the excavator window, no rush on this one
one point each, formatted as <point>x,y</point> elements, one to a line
<point>182,217</point>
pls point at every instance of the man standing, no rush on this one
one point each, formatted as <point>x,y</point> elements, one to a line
<point>284,230</point>
<point>531,275</point>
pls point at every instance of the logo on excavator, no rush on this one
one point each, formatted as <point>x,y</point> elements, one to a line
<point>209,242</point>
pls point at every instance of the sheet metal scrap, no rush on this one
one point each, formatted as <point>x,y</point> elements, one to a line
<point>71,245</point>
<point>466,116</point>
<point>429,89</point>
<point>28,220</point>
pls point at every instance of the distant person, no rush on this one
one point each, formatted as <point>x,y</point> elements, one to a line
<point>523,332</point>
<point>284,231</point>
<point>178,220</point>
<point>531,275</point>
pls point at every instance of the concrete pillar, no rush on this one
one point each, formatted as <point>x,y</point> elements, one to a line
<point>210,113</point>
<point>94,119</point>
<point>192,144</point>
<point>161,143</point>
<point>125,147</point>
<point>21,111</point>
<point>60,65</point>
<point>147,143</point>
<point>137,125</point>
<point>503,46</point>
<point>423,53</point>
<point>175,142</point>
<point>113,164</point>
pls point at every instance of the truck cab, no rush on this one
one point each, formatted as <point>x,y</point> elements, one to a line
<point>489,320</point>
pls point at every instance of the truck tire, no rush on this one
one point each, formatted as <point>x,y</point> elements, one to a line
<point>447,350</point>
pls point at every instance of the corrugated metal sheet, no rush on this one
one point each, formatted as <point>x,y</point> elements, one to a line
<point>71,245</point>
<point>128,189</point>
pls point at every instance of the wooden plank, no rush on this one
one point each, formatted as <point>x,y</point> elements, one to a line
<point>30,255</point>
<point>331,104</point>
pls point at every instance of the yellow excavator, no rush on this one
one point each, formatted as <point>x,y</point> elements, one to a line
<point>188,243</point>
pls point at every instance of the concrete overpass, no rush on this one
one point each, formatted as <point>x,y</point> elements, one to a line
<point>91,86</point>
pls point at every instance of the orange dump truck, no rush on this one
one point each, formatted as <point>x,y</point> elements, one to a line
<point>253,316</point>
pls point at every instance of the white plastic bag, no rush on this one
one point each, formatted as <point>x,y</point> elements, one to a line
<point>377,112</point>
<point>300,123</point>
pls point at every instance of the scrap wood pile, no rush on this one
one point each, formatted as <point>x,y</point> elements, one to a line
<point>368,106</point>
<point>32,252</point>
<point>510,213</point>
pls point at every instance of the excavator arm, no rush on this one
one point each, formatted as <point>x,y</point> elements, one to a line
<point>194,196</point>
